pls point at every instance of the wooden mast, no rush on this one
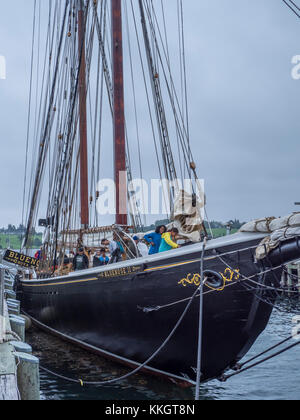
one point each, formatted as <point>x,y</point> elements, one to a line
<point>119,116</point>
<point>84,183</point>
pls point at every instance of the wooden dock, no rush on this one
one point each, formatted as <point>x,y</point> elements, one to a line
<point>19,372</point>
<point>8,367</point>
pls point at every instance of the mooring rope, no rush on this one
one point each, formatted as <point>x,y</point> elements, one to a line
<point>224,378</point>
<point>12,334</point>
<point>139,368</point>
<point>200,332</point>
<point>239,366</point>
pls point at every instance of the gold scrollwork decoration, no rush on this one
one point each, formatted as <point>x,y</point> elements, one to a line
<point>195,279</point>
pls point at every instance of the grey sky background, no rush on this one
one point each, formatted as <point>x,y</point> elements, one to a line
<point>244,105</point>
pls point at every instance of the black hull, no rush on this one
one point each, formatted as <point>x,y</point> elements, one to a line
<point>108,311</point>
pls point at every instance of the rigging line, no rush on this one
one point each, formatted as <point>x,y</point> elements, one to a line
<point>153,68</point>
<point>105,61</point>
<point>63,123</point>
<point>43,148</point>
<point>70,125</point>
<point>262,286</point>
<point>181,129</point>
<point>108,77</point>
<point>62,81</point>
<point>62,149</point>
<point>250,278</point>
<point>225,378</point>
<point>93,176</point>
<point>148,99</point>
<point>169,64</point>
<point>298,8</point>
<point>158,103</point>
<point>180,56</point>
<point>135,109</point>
<point>185,80</point>
<point>29,110</point>
<point>274,288</point>
<point>260,298</point>
<point>35,146</point>
<point>37,73</point>
<point>37,140</point>
<point>153,32</point>
<point>290,7</point>
<point>98,98</point>
<point>103,23</point>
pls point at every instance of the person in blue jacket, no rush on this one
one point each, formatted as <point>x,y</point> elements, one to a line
<point>155,239</point>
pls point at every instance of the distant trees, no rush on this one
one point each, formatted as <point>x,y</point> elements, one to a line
<point>235,224</point>
<point>37,243</point>
<point>13,230</point>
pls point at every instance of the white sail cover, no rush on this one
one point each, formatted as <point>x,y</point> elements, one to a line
<point>188,214</point>
<point>271,224</point>
<point>279,229</point>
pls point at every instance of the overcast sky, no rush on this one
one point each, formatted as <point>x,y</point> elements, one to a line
<point>244,104</point>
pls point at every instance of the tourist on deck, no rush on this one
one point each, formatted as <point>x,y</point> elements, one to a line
<point>141,246</point>
<point>130,248</point>
<point>155,239</point>
<point>81,261</point>
<point>121,248</point>
<point>39,254</point>
<point>114,250</point>
<point>169,241</point>
<point>100,258</point>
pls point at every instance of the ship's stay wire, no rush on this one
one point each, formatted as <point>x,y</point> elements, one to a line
<point>293,6</point>
<point>29,112</point>
<point>225,378</point>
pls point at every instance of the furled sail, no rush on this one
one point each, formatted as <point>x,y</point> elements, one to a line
<point>188,213</point>
<point>278,230</point>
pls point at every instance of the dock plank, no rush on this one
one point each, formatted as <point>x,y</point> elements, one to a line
<point>8,370</point>
<point>8,388</point>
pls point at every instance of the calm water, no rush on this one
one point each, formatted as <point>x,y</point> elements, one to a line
<point>278,379</point>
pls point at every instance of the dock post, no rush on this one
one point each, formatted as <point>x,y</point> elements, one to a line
<point>2,319</point>
<point>19,370</point>
<point>298,286</point>
<point>18,326</point>
<point>8,377</point>
<point>21,347</point>
<point>28,377</point>
<point>290,278</point>
<point>10,294</point>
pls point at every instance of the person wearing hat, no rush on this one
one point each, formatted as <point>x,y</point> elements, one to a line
<point>81,261</point>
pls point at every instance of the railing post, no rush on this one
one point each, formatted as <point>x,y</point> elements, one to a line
<point>2,319</point>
